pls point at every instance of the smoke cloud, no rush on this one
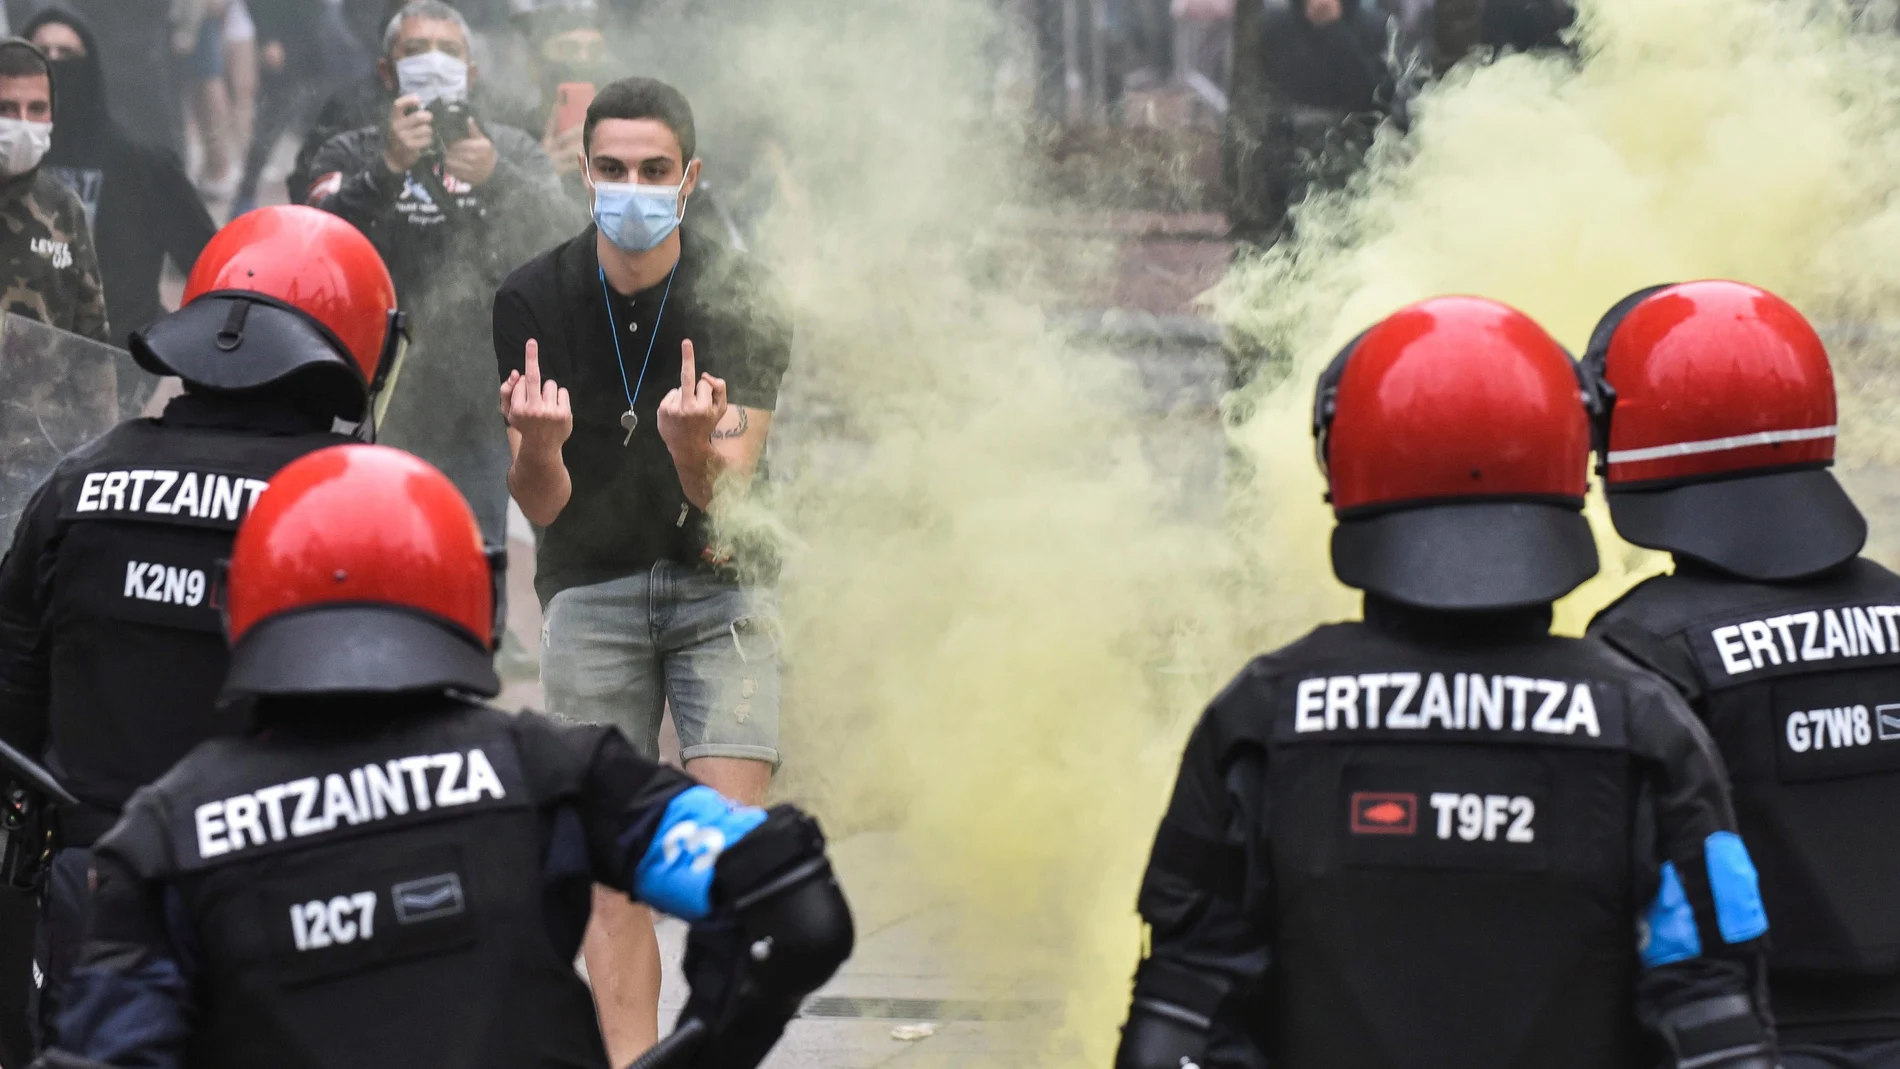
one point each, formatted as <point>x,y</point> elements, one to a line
<point>1000,620</point>
<point>1687,139</point>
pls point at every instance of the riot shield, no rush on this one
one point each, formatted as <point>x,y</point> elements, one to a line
<point>58,391</point>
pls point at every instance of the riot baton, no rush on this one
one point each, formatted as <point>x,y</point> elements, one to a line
<point>673,1051</point>
<point>15,763</point>
<point>26,791</point>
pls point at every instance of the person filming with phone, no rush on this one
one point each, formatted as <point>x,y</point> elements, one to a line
<point>453,200</point>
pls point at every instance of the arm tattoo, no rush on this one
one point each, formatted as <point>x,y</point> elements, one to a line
<point>736,432</point>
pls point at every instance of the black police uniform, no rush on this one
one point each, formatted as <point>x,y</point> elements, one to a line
<point>1427,840</point>
<point>111,645</point>
<point>405,881</point>
<point>1799,684</point>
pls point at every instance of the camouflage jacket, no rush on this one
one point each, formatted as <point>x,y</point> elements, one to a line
<point>47,263</point>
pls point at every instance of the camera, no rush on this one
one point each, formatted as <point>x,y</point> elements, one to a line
<point>450,118</point>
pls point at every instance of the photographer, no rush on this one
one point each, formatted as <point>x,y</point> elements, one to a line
<point>366,101</point>
<point>453,202</point>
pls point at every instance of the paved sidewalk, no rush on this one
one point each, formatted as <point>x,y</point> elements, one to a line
<point>898,977</point>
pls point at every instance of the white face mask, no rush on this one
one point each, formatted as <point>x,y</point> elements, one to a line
<point>432,76</point>
<point>22,145</point>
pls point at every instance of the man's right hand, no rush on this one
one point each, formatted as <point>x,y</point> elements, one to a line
<point>536,410</point>
<point>411,133</point>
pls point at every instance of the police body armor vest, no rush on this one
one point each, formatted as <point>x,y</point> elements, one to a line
<point>138,648</point>
<point>1800,686</point>
<point>370,902</point>
<point>1452,857</point>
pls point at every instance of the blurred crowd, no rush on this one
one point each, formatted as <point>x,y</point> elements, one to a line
<point>220,81</point>
<point>1297,87</point>
<point>453,141</point>
<point>176,114</point>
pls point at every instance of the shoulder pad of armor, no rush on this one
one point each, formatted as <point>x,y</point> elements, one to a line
<point>1659,654</point>
<point>1243,710</point>
<point>1862,570</point>
<point>1720,633</point>
<point>1625,602</point>
<point>139,838</point>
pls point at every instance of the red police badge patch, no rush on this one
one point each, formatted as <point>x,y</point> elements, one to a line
<point>1384,813</point>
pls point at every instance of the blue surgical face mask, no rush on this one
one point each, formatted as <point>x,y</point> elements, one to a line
<point>637,218</point>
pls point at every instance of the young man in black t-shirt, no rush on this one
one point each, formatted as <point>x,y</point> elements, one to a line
<point>641,366</point>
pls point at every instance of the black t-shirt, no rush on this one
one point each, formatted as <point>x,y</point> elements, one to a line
<point>628,509</point>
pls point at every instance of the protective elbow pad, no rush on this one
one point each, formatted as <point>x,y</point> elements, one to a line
<point>783,927</point>
<point>1171,1018</point>
<point>1718,1033</point>
<point>779,881</point>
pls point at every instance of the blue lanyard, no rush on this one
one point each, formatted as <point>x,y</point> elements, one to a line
<point>614,331</point>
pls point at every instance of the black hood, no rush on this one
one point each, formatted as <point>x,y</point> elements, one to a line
<point>82,128</point>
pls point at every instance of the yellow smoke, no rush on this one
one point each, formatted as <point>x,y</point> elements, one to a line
<point>1000,618</point>
<point>1690,139</point>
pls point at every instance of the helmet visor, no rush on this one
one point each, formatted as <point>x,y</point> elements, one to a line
<point>353,648</point>
<point>1474,555</point>
<point>1778,526</point>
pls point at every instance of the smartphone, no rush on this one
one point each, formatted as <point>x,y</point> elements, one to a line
<point>570,105</point>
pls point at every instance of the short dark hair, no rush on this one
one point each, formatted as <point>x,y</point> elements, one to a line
<point>643,98</point>
<point>19,59</point>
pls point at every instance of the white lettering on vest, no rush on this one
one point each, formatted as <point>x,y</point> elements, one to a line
<point>341,920</point>
<point>1309,702</point>
<point>1332,703</point>
<point>1829,729</point>
<point>1485,816</point>
<point>361,796</point>
<point>199,495</point>
<point>164,584</point>
<point>1825,635</point>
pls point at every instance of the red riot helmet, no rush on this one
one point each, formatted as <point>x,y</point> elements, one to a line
<point>360,569</point>
<point>1455,439</point>
<point>1718,429</point>
<point>282,295</point>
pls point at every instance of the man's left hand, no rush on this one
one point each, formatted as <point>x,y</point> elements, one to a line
<point>689,414</point>
<point>471,159</point>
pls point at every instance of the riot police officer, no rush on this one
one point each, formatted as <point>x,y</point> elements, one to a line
<point>390,874</point>
<point>1426,839</point>
<point>110,650</point>
<point>1782,637</point>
